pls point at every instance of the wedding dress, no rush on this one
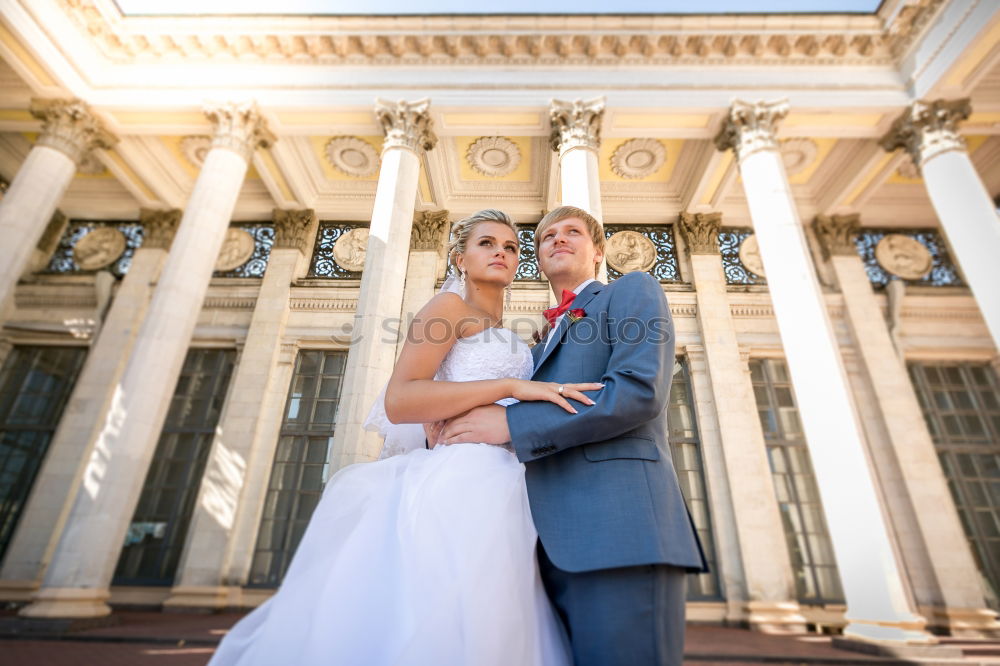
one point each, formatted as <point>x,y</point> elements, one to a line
<point>426,558</point>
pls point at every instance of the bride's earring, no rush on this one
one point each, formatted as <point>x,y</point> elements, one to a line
<point>461,279</point>
<point>507,295</point>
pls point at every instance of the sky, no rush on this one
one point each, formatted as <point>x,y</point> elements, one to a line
<point>369,7</point>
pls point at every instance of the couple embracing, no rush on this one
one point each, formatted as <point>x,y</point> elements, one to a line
<point>543,524</point>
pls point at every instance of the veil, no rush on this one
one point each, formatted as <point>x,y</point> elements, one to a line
<point>402,438</point>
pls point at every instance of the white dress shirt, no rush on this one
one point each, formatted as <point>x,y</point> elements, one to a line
<point>551,333</point>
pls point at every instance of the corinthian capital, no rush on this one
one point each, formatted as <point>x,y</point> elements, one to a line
<point>428,230</point>
<point>927,129</point>
<point>576,124</point>
<point>406,124</point>
<point>159,226</point>
<point>291,227</point>
<point>836,233</point>
<point>69,126</point>
<point>239,127</point>
<point>700,231</point>
<point>750,127</point>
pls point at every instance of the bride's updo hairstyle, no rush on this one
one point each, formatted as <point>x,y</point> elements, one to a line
<point>461,230</point>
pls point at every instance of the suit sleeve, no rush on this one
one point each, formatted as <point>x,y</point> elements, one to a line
<point>636,382</point>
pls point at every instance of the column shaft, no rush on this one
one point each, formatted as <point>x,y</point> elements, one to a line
<point>580,180</point>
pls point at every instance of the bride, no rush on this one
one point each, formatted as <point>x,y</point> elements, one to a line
<point>427,558</point>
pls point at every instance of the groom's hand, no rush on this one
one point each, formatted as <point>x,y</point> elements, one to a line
<point>487,425</point>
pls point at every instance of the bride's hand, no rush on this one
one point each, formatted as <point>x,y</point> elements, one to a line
<point>530,390</point>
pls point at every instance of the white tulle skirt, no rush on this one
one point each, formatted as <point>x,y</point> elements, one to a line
<point>422,559</point>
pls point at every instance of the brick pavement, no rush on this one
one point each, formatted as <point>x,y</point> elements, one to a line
<point>177,639</point>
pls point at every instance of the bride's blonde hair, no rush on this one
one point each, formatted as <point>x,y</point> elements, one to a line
<point>461,230</point>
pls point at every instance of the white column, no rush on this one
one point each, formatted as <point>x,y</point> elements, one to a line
<point>46,245</point>
<point>76,582</point>
<point>954,568</point>
<point>929,133</point>
<point>69,132</point>
<point>771,604</point>
<point>879,607</point>
<point>427,242</point>
<point>75,437</point>
<point>408,133</point>
<point>576,136</point>
<point>245,431</point>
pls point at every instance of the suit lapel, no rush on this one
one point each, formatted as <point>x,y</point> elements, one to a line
<point>581,300</point>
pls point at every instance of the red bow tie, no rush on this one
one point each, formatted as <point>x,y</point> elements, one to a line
<point>553,313</point>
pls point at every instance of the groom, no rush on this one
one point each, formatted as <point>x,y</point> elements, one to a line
<point>615,537</point>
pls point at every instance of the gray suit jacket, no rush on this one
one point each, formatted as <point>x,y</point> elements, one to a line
<point>601,483</point>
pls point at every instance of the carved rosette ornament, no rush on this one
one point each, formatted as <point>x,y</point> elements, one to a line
<point>928,129</point>
<point>195,148</point>
<point>352,156</point>
<point>493,156</point>
<point>904,256</point>
<point>638,158</point>
<point>291,228</point>
<point>406,125</point>
<point>237,248</point>
<point>428,230</point>
<point>99,248</point>
<point>700,232</point>
<point>159,227</point>
<point>351,249</point>
<point>69,126</point>
<point>630,251</point>
<point>836,234</point>
<point>798,154</point>
<point>750,127</point>
<point>575,124</point>
<point>239,127</point>
<point>750,256</point>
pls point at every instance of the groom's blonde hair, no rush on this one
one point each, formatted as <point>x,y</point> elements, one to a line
<point>461,230</point>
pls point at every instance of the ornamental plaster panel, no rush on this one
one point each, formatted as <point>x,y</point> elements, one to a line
<point>638,158</point>
<point>798,154</point>
<point>352,156</point>
<point>493,156</point>
<point>195,149</point>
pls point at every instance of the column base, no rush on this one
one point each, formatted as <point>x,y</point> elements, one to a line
<point>967,622</point>
<point>904,632</point>
<point>68,603</point>
<point>203,598</point>
<point>897,650</point>
<point>18,590</point>
<point>776,617</point>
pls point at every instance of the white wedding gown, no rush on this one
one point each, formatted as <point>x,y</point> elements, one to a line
<point>420,559</point>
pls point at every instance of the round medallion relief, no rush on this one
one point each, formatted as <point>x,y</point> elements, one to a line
<point>351,248</point>
<point>750,255</point>
<point>237,248</point>
<point>99,248</point>
<point>493,156</point>
<point>903,256</point>
<point>352,155</point>
<point>638,158</point>
<point>630,251</point>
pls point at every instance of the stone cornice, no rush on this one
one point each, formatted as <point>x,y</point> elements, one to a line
<point>784,39</point>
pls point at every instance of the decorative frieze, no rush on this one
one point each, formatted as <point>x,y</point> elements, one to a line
<point>927,129</point>
<point>638,158</point>
<point>836,234</point>
<point>159,227</point>
<point>576,124</point>
<point>406,124</point>
<point>352,156</point>
<point>519,40</point>
<point>493,156</point>
<point>700,231</point>
<point>69,126</point>
<point>239,127</point>
<point>750,127</point>
<point>429,229</point>
<point>291,227</point>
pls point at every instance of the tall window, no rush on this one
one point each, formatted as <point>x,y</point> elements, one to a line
<point>301,462</point>
<point>35,383</point>
<point>816,577</point>
<point>156,534</point>
<point>961,404</point>
<point>685,450</point>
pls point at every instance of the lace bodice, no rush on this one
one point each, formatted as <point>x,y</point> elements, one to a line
<point>489,354</point>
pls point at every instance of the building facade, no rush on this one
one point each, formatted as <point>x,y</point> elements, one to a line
<point>215,230</point>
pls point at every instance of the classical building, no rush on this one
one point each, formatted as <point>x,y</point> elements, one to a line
<point>213,231</point>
